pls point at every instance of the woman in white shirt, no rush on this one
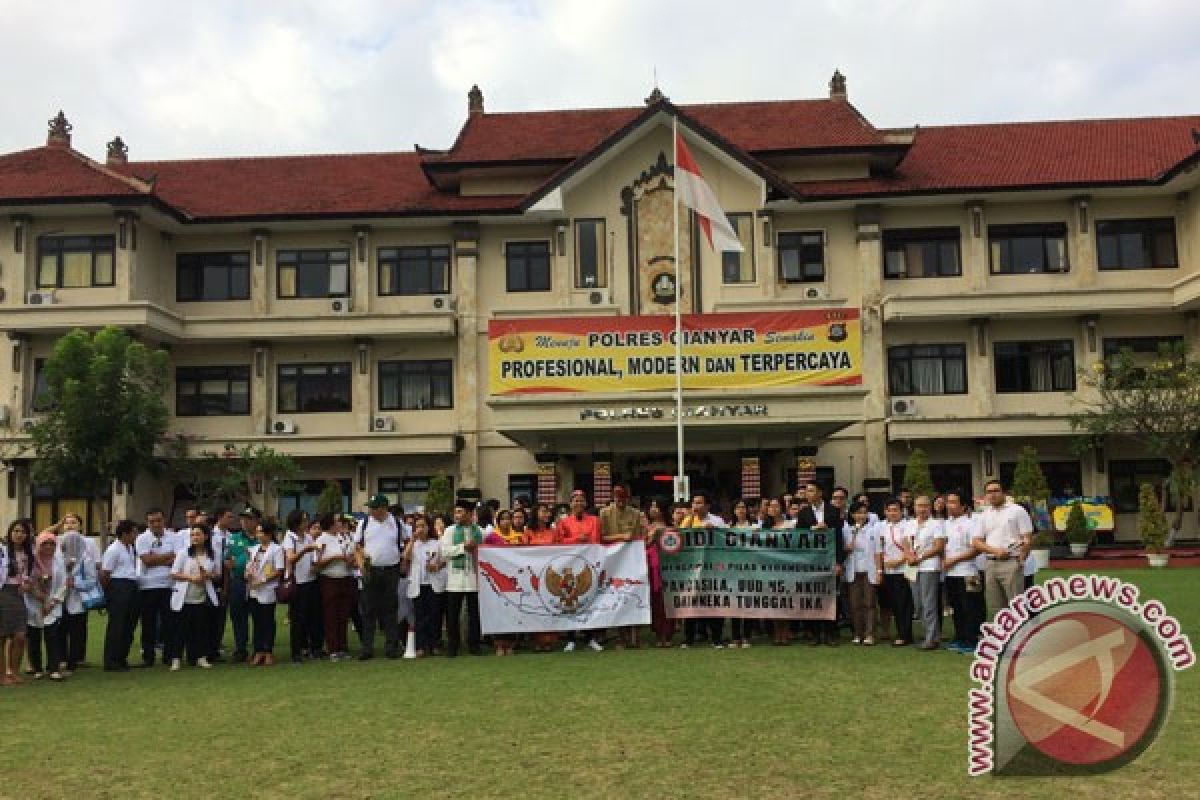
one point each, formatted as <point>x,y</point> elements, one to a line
<point>304,612</point>
<point>193,599</point>
<point>426,583</point>
<point>264,568</point>
<point>44,596</point>
<point>333,560</point>
<point>16,562</point>
<point>862,571</point>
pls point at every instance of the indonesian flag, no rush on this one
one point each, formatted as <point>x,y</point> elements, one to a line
<point>696,194</point>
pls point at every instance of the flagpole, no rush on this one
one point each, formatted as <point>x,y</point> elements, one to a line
<point>680,472</point>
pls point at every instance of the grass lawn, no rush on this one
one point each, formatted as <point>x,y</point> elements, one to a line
<point>764,722</point>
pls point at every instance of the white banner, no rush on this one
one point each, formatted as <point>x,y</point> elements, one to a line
<point>563,587</point>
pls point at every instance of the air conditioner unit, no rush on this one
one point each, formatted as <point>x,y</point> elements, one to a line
<point>27,424</point>
<point>383,424</point>
<point>600,297</point>
<point>816,293</point>
<point>904,407</point>
<point>445,302</point>
<point>340,305</point>
<point>283,426</point>
<point>40,298</point>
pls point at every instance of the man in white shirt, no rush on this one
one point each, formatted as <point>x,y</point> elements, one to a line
<point>1004,537</point>
<point>460,543</point>
<point>964,587</point>
<point>897,551</point>
<point>929,542</point>
<point>119,576</point>
<point>155,549</point>
<point>380,540</point>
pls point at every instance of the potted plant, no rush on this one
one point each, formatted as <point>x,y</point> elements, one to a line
<point>1079,535</point>
<point>1030,488</point>
<point>1042,540</point>
<point>1152,526</point>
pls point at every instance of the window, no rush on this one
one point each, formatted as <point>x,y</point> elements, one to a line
<point>1136,243</point>
<point>66,262</point>
<point>523,487</point>
<point>946,478</point>
<point>921,253</point>
<point>49,508</point>
<point>802,257</point>
<point>927,369</point>
<point>1126,477</point>
<point>1065,478</point>
<point>40,401</point>
<point>527,266</point>
<point>212,276</point>
<point>591,254</point>
<point>212,391</point>
<point>414,270</point>
<point>409,492</point>
<point>305,494</point>
<point>314,387</point>
<point>1025,249</point>
<point>415,385</point>
<point>739,267</point>
<point>313,273</point>
<point>1035,366</point>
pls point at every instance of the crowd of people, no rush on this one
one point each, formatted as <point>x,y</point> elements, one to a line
<point>917,560</point>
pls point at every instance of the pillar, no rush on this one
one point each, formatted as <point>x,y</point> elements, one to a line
<point>467,370</point>
<point>15,248</point>
<point>868,222</point>
<point>261,408</point>
<point>806,468</point>
<point>360,284</point>
<point>975,264</point>
<point>751,476</point>
<point>981,377</point>
<point>363,399</point>
<point>1081,255</point>
<point>601,483</point>
<point>547,478</point>
<point>125,256</point>
<point>260,254</point>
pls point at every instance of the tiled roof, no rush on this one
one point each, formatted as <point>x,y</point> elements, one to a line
<point>54,173</point>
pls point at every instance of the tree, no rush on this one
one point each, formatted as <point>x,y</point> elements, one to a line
<point>1029,482</point>
<point>916,474</point>
<point>330,499</point>
<point>232,476</point>
<point>1152,523</point>
<point>439,499</point>
<point>1155,406</point>
<point>106,412</point>
<point>1078,531</point>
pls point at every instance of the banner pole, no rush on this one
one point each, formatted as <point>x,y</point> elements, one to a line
<point>681,474</point>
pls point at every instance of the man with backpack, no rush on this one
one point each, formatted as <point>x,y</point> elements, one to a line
<point>380,541</point>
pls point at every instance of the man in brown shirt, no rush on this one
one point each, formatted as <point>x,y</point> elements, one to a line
<point>621,522</point>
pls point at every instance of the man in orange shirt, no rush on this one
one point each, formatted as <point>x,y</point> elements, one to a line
<point>580,527</point>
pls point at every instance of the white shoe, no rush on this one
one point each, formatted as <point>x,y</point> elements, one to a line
<point>745,644</point>
<point>594,645</point>
<point>203,663</point>
<point>570,648</point>
<point>175,664</point>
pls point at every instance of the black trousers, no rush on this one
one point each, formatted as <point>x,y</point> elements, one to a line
<point>262,615</point>
<point>216,628</point>
<point>49,637</point>
<point>122,611</point>
<point>428,607</point>
<point>304,614</point>
<point>72,629</point>
<point>454,607</point>
<point>193,631</point>
<point>157,624</point>
<point>968,610</point>
<point>712,626</point>
<point>239,613</point>
<point>901,602</point>
<point>379,605</point>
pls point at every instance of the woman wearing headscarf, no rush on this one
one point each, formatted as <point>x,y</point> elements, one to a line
<point>16,562</point>
<point>80,566</point>
<point>44,597</point>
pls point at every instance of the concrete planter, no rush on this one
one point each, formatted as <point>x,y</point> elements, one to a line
<point>1078,549</point>
<point>1042,558</point>
<point>1158,560</point>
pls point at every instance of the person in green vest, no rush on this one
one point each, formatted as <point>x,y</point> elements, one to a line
<point>237,547</point>
<point>459,546</point>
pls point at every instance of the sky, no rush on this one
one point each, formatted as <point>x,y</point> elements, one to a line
<point>259,77</point>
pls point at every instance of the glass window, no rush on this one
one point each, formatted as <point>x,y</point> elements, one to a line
<point>212,276</point>
<point>313,273</point>
<point>410,491</point>
<point>802,257</point>
<point>921,253</point>
<point>927,369</point>
<point>591,254</point>
<point>414,270</point>
<point>523,487</point>
<point>1143,350</point>
<point>1035,366</point>
<point>66,262</point>
<point>314,387</point>
<point>527,266</point>
<point>1065,478</point>
<point>212,391</point>
<point>1025,249</point>
<point>739,267</point>
<point>1136,243</point>
<point>40,400</point>
<point>1125,478</point>
<point>415,385</point>
<point>305,494</point>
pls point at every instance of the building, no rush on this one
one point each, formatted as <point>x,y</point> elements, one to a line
<point>338,307</point>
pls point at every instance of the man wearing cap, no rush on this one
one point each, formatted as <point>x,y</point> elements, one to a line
<point>237,553</point>
<point>621,522</point>
<point>380,541</point>
<point>580,527</point>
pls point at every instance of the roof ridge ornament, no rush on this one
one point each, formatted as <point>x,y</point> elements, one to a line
<point>59,133</point>
<point>655,96</point>
<point>475,100</point>
<point>837,86</point>
<point>118,153</point>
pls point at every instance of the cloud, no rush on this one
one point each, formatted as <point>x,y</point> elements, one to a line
<point>223,77</point>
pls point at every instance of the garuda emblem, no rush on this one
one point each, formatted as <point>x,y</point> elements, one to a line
<point>568,586</point>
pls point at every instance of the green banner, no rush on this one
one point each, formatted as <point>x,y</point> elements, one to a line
<point>741,572</point>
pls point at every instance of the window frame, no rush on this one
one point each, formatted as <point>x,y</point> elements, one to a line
<point>1053,469</point>
<point>508,257</point>
<point>398,260</point>
<point>61,250</point>
<point>200,267</point>
<point>198,379</point>
<point>348,368</point>
<point>601,254</point>
<point>429,366</point>
<point>1140,226</point>
<point>923,236</point>
<point>298,253</point>
<point>748,252</point>
<point>1027,230</point>
<point>779,247</point>
<point>996,347</point>
<point>943,355</point>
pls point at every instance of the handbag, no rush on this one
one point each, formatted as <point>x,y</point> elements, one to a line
<point>286,589</point>
<point>91,595</point>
